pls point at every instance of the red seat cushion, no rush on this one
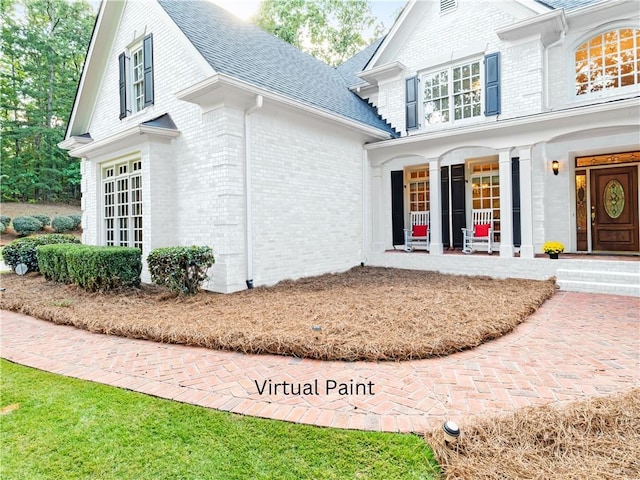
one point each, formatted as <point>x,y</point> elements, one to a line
<point>419,230</point>
<point>481,230</point>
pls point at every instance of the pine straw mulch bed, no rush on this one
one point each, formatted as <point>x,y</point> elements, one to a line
<point>366,313</point>
<point>598,438</point>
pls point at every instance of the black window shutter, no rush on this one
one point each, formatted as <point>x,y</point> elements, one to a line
<point>444,198</point>
<point>397,206</point>
<point>492,84</point>
<point>458,206</point>
<point>515,194</point>
<point>148,69</point>
<point>123,85</point>
<point>411,88</point>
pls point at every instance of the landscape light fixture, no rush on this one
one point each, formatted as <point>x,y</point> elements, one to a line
<point>555,166</point>
<point>451,431</point>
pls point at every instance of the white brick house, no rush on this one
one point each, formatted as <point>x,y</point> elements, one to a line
<point>194,128</point>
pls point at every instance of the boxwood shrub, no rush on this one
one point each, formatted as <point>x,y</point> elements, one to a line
<point>77,220</point>
<point>23,250</point>
<point>5,220</point>
<point>52,261</point>
<point>2,227</point>
<point>103,268</point>
<point>181,269</point>
<point>26,225</point>
<point>63,224</point>
<point>43,219</point>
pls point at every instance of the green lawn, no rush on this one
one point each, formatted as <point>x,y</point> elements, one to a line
<point>53,427</point>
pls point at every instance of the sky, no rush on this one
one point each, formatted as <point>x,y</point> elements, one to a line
<point>385,10</point>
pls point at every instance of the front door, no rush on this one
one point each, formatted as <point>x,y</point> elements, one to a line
<point>614,209</point>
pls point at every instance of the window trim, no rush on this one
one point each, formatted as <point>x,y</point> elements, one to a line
<point>449,67</point>
<point>133,51</point>
<point>470,174</point>
<point>133,226</point>
<point>134,105</point>
<point>608,93</point>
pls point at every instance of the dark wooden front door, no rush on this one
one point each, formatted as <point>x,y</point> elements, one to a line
<point>614,209</point>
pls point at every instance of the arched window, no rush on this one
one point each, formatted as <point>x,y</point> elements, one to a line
<point>608,60</point>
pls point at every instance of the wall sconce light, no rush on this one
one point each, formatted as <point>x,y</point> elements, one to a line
<point>555,166</point>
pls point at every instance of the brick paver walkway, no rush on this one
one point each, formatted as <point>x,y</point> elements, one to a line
<point>576,345</point>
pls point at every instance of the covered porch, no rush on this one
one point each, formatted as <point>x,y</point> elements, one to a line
<point>528,172</point>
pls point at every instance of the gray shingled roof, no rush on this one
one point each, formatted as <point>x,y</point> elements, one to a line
<point>567,4</point>
<point>246,52</point>
<point>356,64</point>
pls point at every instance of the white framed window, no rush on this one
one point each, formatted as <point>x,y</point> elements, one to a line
<point>485,191</point>
<point>453,94</point>
<point>418,185</point>
<point>137,79</point>
<point>122,198</point>
<point>609,60</point>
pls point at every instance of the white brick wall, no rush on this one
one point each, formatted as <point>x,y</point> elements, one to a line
<point>307,174</point>
<point>464,34</point>
<point>307,196</point>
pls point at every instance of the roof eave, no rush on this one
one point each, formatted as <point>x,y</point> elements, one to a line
<point>221,89</point>
<point>549,26</point>
<point>120,140</point>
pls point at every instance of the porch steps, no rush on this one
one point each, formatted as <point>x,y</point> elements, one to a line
<point>619,278</point>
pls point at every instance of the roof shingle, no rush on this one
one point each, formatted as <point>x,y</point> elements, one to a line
<point>246,52</point>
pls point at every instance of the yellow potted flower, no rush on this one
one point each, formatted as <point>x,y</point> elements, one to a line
<point>553,249</point>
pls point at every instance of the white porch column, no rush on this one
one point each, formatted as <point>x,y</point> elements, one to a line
<point>526,204</point>
<point>435,200</point>
<point>377,237</point>
<point>506,204</point>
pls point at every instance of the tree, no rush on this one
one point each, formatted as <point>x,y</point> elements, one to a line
<point>44,46</point>
<point>330,30</point>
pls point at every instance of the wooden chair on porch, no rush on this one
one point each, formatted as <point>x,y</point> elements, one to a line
<point>479,236</point>
<point>418,235</point>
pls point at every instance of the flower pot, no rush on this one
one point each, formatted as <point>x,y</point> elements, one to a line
<point>553,256</point>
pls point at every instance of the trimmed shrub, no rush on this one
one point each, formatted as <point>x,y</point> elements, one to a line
<point>77,220</point>
<point>181,269</point>
<point>2,227</point>
<point>62,224</point>
<point>52,261</point>
<point>104,268</point>
<point>5,220</point>
<point>26,225</point>
<point>23,250</point>
<point>43,219</point>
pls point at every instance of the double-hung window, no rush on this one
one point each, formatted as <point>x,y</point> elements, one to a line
<point>122,198</point>
<point>137,70</point>
<point>136,77</point>
<point>453,94</point>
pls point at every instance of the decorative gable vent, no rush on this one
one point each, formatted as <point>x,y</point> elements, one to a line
<point>447,5</point>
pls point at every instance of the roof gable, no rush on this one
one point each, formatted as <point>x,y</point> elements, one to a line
<point>246,52</point>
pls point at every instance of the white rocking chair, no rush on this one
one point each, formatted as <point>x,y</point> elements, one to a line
<point>480,234</point>
<point>419,233</point>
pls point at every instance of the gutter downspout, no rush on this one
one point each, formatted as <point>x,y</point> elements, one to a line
<point>247,185</point>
